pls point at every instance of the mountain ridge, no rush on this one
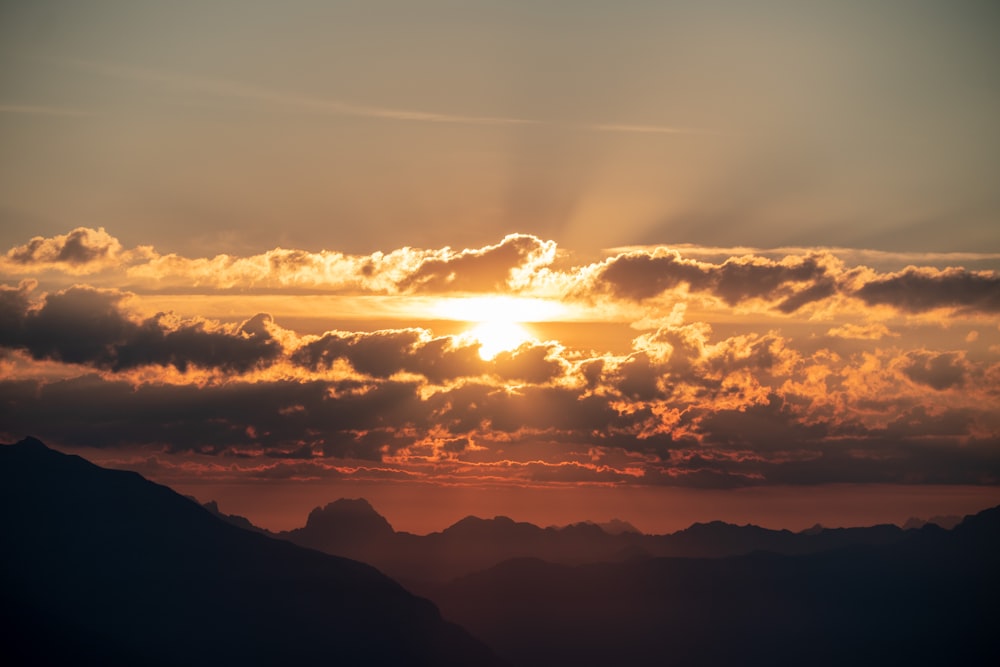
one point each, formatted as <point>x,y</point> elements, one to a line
<point>105,566</point>
<point>929,599</point>
<point>474,543</point>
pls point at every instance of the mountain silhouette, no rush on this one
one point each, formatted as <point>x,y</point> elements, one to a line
<point>235,519</point>
<point>928,599</point>
<point>343,526</point>
<point>354,529</point>
<point>104,567</point>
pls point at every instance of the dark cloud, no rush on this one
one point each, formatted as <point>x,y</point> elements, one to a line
<point>639,378</point>
<point>442,359</point>
<point>382,354</point>
<point>939,370</point>
<point>920,289</point>
<point>740,279</point>
<point>272,416</point>
<point>530,363</point>
<point>536,409</point>
<point>83,325</point>
<point>773,425</point>
<point>796,281</point>
<point>379,354</point>
<point>482,270</point>
<point>640,276</point>
<point>14,304</point>
<point>818,291</point>
<point>919,422</point>
<point>771,442</point>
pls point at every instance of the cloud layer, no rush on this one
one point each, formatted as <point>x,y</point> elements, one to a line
<point>745,370</point>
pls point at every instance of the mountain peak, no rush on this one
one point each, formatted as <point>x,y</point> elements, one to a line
<point>350,516</point>
<point>31,442</point>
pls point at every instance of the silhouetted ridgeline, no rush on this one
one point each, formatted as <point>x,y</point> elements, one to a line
<point>105,567</point>
<point>930,599</point>
<point>102,567</point>
<point>742,595</point>
<point>352,528</point>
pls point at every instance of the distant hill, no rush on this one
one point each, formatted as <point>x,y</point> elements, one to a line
<point>947,522</point>
<point>102,567</point>
<point>354,529</point>
<point>929,599</point>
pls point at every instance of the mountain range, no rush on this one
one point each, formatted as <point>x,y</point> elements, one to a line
<point>354,529</point>
<point>711,594</point>
<point>103,567</point>
<point>928,599</point>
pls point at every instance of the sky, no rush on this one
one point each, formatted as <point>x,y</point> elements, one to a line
<point>557,260</point>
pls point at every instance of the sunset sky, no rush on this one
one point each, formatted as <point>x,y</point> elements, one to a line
<point>665,261</point>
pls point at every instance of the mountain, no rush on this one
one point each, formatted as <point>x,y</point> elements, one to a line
<point>947,522</point>
<point>343,526</point>
<point>234,519</point>
<point>617,527</point>
<point>104,567</point>
<point>718,539</point>
<point>354,529</point>
<point>928,599</point>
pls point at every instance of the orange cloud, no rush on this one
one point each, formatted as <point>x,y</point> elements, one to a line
<point>854,376</point>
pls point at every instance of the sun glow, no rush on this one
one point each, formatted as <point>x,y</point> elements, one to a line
<point>498,319</point>
<point>498,336</point>
<point>500,309</point>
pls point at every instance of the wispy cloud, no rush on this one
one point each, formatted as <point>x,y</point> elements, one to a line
<point>645,129</point>
<point>41,110</point>
<point>238,90</point>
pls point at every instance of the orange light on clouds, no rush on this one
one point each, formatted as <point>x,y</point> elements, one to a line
<point>498,319</point>
<point>498,336</point>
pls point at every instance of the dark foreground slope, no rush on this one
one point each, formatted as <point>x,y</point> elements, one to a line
<point>931,599</point>
<point>104,567</point>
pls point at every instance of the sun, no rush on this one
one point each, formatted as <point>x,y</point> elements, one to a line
<point>496,336</point>
<point>498,320</point>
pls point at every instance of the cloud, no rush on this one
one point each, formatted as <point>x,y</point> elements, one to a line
<point>841,384</point>
<point>489,269</point>
<point>774,424</point>
<point>646,129</point>
<point>919,289</point>
<point>728,413</point>
<point>861,331</point>
<point>939,370</point>
<point>41,110</point>
<point>510,265</point>
<point>536,364</point>
<point>311,104</point>
<point>811,282</point>
<point>791,282</point>
<point>382,354</point>
<point>258,94</point>
<point>81,251</point>
<point>83,325</point>
<point>338,418</point>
